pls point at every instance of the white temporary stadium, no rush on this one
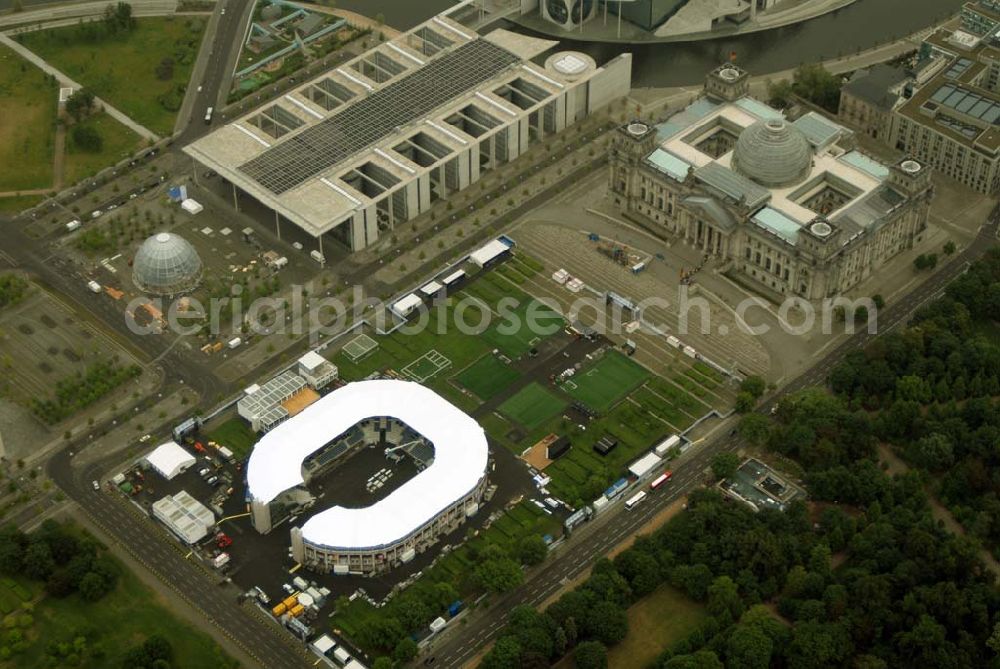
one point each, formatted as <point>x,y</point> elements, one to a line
<point>393,530</point>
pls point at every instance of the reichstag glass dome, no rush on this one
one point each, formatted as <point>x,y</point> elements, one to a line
<point>774,153</point>
<point>166,264</point>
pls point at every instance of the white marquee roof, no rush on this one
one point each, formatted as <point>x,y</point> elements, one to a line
<point>460,459</point>
<point>170,459</point>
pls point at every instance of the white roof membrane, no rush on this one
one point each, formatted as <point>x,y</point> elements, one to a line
<point>460,459</point>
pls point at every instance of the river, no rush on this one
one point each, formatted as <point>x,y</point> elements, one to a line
<point>860,26</point>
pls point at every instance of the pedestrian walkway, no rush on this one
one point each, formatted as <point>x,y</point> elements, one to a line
<point>66,82</point>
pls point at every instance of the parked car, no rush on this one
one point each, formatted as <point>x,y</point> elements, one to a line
<point>97,485</point>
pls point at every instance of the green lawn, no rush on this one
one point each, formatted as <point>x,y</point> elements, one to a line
<point>114,624</point>
<point>13,205</point>
<point>607,381</point>
<point>123,69</point>
<point>523,327</point>
<point>117,140</point>
<point>28,102</point>
<point>487,377</point>
<point>533,406</point>
<point>654,623</point>
<point>235,435</point>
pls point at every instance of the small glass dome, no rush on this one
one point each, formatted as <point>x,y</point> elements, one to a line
<point>774,153</point>
<point>166,264</point>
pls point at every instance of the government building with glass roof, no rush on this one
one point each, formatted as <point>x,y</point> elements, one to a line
<point>792,206</point>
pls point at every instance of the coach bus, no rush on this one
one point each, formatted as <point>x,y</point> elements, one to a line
<point>660,480</point>
<point>635,499</point>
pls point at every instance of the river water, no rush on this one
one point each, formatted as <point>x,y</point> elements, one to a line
<point>863,25</point>
<point>860,26</point>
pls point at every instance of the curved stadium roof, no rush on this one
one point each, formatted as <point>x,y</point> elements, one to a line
<point>460,459</point>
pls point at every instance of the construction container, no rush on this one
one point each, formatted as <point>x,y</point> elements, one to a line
<point>296,610</point>
<point>279,609</point>
<point>290,601</point>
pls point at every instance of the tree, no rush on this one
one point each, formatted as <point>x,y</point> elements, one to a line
<point>933,452</point>
<point>80,104</point>
<point>607,622</point>
<point>505,654</point>
<point>878,300</point>
<point>949,247</point>
<point>725,464</point>
<point>38,562</point>
<point>86,138</point>
<point>497,572</point>
<point>755,428</point>
<point>779,93</point>
<point>703,659</point>
<point>745,402</point>
<point>754,385</point>
<point>532,550</point>
<point>724,602</point>
<point>12,545</point>
<point>405,650</point>
<point>118,18</point>
<point>165,69</point>
<point>815,83</point>
<point>92,587</point>
<point>925,261</point>
<point>382,662</point>
<point>748,648</point>
<point>591,655</point>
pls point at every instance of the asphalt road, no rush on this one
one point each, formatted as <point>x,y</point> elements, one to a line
<point>163,557</point>
<point>588,545</point>
<point>214,71</point>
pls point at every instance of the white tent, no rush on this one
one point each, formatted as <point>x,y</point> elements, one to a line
<point>323,644</point>
<point>191,206</point>
<point>403,307</point>
<point>488,253</point>
<point>169,460</point>
<point>645,464</point>
<point>185,516</point>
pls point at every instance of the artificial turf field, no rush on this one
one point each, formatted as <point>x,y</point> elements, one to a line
<point>533,405</point>
<point>607,381</point>
<point>635,407</point>
<point>487,377</point>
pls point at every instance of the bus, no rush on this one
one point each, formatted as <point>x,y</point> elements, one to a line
<point>635,499</point>
<point>660,480</point>
<point>208,115</point>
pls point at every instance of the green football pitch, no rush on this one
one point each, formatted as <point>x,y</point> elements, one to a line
<point>606,382</point>
<point>518,331</point>
<point>487,376</point>
<point>532,406</point>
